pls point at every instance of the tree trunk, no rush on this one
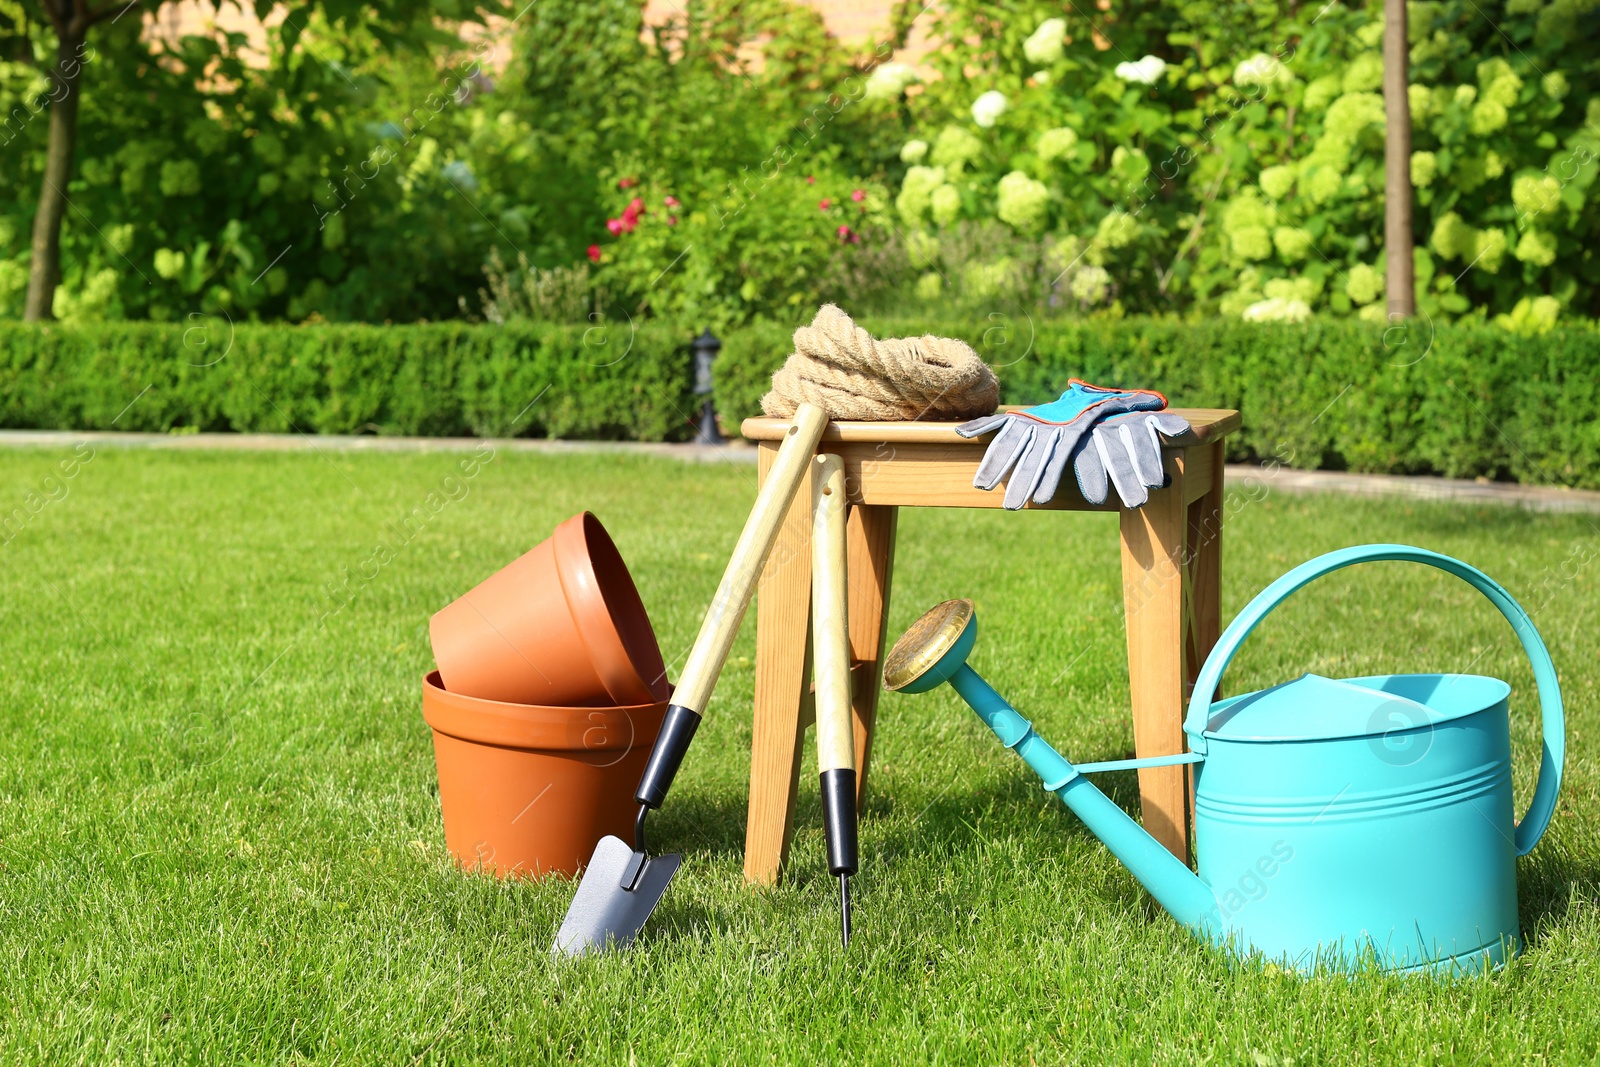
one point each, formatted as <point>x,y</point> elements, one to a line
<point>1399,284</point>
<point>45,270</point>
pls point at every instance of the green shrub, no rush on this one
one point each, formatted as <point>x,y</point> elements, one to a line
<point>437,380</point>
<point>1465,401</point>
<point>337,179</point>
<point>1238,166</point>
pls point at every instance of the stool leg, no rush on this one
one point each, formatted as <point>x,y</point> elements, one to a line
<point>1153,601</point>
<point>871,569</point>
<point>1203,551</point>
<point>783,625</point>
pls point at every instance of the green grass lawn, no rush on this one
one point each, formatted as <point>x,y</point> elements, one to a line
<point>220,836</point>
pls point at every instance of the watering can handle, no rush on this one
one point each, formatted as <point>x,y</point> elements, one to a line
<point>1533,824</point>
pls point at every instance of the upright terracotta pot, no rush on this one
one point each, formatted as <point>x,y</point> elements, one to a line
<point>561,626</point>
<point>529,791</point>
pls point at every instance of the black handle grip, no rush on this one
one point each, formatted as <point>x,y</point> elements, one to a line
<point>677,730</point>
<point>839,819</point>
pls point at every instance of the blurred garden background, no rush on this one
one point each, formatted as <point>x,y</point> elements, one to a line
<point>1180,194</point>
<point>1369,226</point>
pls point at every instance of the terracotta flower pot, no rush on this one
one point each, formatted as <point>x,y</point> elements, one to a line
<point>561,626</point>
<point>529,791</point>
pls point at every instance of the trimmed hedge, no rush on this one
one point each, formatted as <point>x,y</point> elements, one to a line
<point>1466,401</point>
<point>434,379</point>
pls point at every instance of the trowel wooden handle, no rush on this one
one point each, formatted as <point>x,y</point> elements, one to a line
<point>721,623</point>
<point>722,620</point>
<point>830,631</point>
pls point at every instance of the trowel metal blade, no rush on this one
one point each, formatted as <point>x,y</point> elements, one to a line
<point>604,914</point>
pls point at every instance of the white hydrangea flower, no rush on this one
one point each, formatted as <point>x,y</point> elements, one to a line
<point>1260,69</point>
<point>1277,182</point>
<point>1057,143</point>
<point>1364,283</point>
<point>888,81</point>
<point>1090,284</point>
<point>1424,167</point>
<point>1292,242</point>
<point>916,192</point>
<point>1534,194</point>
<point>1023,202</point>
<point>1117,230</point>
<point>987,109</point>
<point>1532,316</point>
<point>1305,289</point>
<point>169,263</point>
<point>1536,247</point>
<point>954,148</point>
<point>914,151</point>
<point>1277,309</point>
<point>1486,117</point>
<point>1144,72</point>
<point>1045,46</point>
<point>945,205</point>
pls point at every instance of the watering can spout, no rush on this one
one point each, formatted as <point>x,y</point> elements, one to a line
<point>935,650</point>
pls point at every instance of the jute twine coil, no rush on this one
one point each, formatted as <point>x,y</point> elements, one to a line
<point>851,375</point>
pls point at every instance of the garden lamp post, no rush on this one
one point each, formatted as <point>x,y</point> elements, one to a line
<point>705,348</point>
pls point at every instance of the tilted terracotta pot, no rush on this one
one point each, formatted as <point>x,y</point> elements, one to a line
<point>530,791</point>
<point>561,626</point>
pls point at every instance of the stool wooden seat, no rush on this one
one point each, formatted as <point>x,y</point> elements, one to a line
<point>1171,578</point>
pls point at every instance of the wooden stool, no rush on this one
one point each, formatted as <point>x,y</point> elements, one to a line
<point>1171,578</point>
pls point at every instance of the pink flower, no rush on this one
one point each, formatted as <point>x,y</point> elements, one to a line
<point>859,195</point>
<point>616,227</point>
<point>825,205</point>
<point>672,220</point>
<point>810,180</point>
<point>844,233</point>
<point>627,183</point>
<point>636,206</point>
<point>594,253</point>
<point>671,201</point>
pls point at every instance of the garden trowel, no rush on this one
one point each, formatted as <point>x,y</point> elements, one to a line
<point>621,885</point>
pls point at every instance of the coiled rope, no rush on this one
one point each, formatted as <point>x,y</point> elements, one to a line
<point>851,375</point>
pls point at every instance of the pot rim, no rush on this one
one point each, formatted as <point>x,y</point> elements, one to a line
<point>534,727</point>
<point>432,680</point>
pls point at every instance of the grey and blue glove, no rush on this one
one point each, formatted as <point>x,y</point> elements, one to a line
<point>1125,451</point>
<point>1034,444</point>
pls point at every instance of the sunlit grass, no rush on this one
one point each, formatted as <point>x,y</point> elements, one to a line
<point>220,836</point>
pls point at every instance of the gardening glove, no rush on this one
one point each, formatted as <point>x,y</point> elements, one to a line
<point>1125,450</point>
<point>1038,441</point>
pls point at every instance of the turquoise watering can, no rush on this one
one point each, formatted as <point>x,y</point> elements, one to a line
<point>1335,822</point>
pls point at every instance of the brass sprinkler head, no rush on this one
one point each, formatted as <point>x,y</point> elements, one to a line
<point>932,648</point>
